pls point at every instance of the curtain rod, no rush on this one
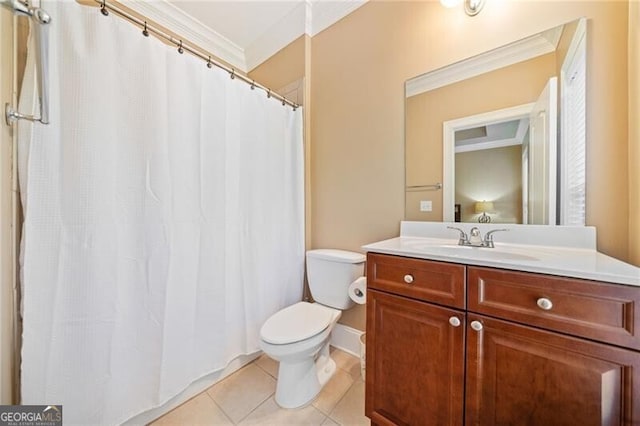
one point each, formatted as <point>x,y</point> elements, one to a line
<point>185,46</point>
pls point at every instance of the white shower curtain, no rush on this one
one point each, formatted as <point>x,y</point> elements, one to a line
<point>163,220</point>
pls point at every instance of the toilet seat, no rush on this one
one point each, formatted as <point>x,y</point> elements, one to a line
<point>296,323</point>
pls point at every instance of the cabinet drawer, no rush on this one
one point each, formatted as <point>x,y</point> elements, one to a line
<point>590,309</point>
<point>436,282</point>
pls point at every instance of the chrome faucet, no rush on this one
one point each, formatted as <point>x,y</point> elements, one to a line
<point>474,239</point>
<point>488,237</point>
<point>463,241</point>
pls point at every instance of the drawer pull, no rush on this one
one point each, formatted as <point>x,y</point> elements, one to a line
<point>454,321</point>
<point>408,279</point>
<point>544,304</point>
<point>476,325</point>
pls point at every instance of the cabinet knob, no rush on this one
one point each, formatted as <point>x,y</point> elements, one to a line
<point>544,304</point>
<point>454,321</point>
<point>476,325</point>
<point>408,279</point>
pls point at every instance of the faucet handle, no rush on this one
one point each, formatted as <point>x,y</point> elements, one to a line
<point>488,237</point>
<point>463,235</point>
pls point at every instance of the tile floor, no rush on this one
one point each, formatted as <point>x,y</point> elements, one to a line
<point>247,398</point>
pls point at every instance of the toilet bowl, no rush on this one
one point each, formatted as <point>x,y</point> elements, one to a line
<point>298,336</point>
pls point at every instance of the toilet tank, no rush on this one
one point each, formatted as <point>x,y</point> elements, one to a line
<point>329,273</point>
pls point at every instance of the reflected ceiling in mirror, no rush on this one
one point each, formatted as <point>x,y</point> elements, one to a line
<point>483,130</point>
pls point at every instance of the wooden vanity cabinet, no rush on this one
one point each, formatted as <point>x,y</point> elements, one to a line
<point>415,350</point>
<point>517,359</point>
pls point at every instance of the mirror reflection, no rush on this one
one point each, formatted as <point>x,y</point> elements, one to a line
<point>500,137</point>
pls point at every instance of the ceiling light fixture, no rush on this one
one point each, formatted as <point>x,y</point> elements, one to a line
<point>471,7</point>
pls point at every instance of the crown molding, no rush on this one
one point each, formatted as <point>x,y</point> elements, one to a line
<point>286,30</point>
<point>553,35</point>
<point>510,54</point>
<point>326,13</point>
<point>309,17</point>
<point>174,19</point>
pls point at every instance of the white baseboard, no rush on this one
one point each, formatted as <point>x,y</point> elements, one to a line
<point>347,339</point>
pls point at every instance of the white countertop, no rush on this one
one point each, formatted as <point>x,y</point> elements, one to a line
<point>570,260</point>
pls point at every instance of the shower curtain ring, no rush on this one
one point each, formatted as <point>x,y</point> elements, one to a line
<point>145,32</point>
<point>180,49</point>
<point>233,73</point>
<point>209,64</point>
<point>103,8</point>
<point>269,93</point>
<point>253,84</point>
<point>295,107</point>
<point>284,101</point>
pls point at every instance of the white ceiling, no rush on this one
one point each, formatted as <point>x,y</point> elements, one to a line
<point>242,22</point>
<point>244,33</point>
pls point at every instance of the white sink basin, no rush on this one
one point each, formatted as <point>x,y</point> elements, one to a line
<point>483,253</point>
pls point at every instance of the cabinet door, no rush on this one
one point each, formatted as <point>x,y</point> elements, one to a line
<point>518,375</point>
<point>415,362</point>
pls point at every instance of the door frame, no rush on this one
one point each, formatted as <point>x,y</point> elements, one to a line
<point>449,128</point>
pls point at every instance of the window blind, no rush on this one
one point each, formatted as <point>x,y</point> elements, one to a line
<point>573,138</point>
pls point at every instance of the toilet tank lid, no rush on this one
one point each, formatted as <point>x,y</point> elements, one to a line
<point>337,255</point>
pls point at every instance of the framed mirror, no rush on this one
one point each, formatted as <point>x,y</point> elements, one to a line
<point>500,137</point>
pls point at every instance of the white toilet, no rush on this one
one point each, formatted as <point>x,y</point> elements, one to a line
<point>298,335</point>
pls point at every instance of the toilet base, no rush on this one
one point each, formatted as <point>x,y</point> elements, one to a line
<point>300,382</point>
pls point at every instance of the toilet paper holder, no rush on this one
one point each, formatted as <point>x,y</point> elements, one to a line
<point>358,290</point>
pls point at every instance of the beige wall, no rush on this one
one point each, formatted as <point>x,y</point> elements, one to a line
<point>506,87</point>
<point>359,68</point>
<point>283,68</point>
<point>496,171</point>
<point>634,133</point>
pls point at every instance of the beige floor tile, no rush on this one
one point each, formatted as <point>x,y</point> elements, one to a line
<point>333,391</point>
<point>269,413</point>
<point>269,365</point>
<point>243,391</point>
<point>347,362</point>
<point>200,410</point>
<point>350,409</point>
<point>329,422</point>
